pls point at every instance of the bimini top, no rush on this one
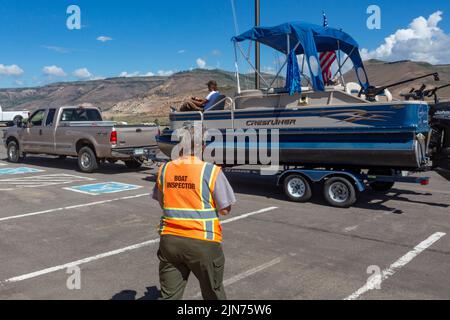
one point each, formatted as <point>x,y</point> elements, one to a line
<point>308,39</point>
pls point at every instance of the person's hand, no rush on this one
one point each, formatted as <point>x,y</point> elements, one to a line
<point>226,211</point>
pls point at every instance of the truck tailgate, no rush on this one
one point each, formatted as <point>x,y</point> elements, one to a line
<point>136,136</point>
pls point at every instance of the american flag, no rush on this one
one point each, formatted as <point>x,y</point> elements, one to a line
<point>326,58</point>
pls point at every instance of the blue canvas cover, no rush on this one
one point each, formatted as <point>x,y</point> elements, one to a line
<point>312,39</point>
<point>293,81</point>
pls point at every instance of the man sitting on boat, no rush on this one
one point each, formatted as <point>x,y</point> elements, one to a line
<point>199,104</point>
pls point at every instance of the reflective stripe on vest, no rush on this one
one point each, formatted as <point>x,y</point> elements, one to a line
<point>188,211</point>
<point>207,175</point>
<point>161,179</point>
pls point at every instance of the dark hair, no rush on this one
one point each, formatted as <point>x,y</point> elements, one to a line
<point>212,83</point>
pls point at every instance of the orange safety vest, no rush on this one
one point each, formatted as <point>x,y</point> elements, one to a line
<point>187,185</point>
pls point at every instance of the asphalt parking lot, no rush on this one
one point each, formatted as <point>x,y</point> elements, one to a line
<point>54,219</point>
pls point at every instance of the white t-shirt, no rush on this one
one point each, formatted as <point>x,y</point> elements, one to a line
<point>208,97</point>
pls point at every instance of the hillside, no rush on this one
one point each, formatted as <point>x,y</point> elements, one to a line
<point>151,97</point>
<point>382,73</point>
<point>124,97</point>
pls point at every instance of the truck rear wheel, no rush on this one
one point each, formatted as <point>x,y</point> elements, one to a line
<point>13,152</point>
<point>87,160</point>
<point>339,192</point>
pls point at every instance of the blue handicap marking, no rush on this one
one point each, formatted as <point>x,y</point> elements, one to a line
<point>20,170</point>
<point>102,188</point>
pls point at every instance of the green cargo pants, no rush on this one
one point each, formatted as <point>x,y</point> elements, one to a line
<point>179,256</point>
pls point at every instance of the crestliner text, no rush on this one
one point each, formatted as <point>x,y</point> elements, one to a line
<point>272,122</point>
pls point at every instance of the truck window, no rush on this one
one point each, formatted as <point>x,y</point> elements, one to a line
<point>37,118</point>
<point>81,114</point>
<point>50,117</point>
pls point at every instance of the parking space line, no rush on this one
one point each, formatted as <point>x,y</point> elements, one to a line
<point>79,262</point>
<point>375,281</point>
<point>251,272</point>
<point>246,215</point>
<point>247,274</point>
<point>112,253</point>
<point>73,207</point>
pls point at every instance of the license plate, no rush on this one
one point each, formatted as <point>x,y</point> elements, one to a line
<point>139,152</point>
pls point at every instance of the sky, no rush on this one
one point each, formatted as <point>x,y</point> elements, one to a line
<point>160,37</point>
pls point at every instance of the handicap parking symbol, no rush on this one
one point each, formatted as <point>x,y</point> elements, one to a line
<point>103,188</point>
<point>20,170</point>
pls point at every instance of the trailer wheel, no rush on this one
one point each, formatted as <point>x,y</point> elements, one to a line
<point>87,160</point>
<point>339,192</point>
<point>13,152</point>
<point>297,188</point>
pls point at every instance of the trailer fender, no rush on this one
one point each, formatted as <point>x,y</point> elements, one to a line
<point>320,175</point>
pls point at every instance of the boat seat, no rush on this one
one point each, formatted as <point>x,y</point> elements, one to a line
<point>353,88</point>
<point>386,96</point>
<point>219,103</point>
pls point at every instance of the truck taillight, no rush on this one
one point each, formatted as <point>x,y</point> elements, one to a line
<point>113,137</point>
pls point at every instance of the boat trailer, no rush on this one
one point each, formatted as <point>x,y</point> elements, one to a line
<point>340,188</point>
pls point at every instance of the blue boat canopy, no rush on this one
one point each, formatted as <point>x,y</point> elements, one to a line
<point>309,39</point>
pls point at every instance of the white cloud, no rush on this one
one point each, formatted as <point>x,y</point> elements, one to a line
<point>268,70</point>
<point>423,40</point>
<point>104,38</point>
<point>82,73</point>
<point>11,70</point>
<point>216,52</point>
<point>54,71</point>
<point>201,63</point>
<point>165,73</point>
<point>126,74</point>
<point>181,51</point>
<point>57,49</point>
<point>19,82</point>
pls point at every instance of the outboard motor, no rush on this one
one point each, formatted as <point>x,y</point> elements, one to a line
<point>440,137</point>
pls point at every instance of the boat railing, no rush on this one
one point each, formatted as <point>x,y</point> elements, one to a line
<point>221,104</point>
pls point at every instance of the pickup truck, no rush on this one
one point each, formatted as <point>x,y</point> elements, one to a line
<point>81,132</point>
<point>12,117</point>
